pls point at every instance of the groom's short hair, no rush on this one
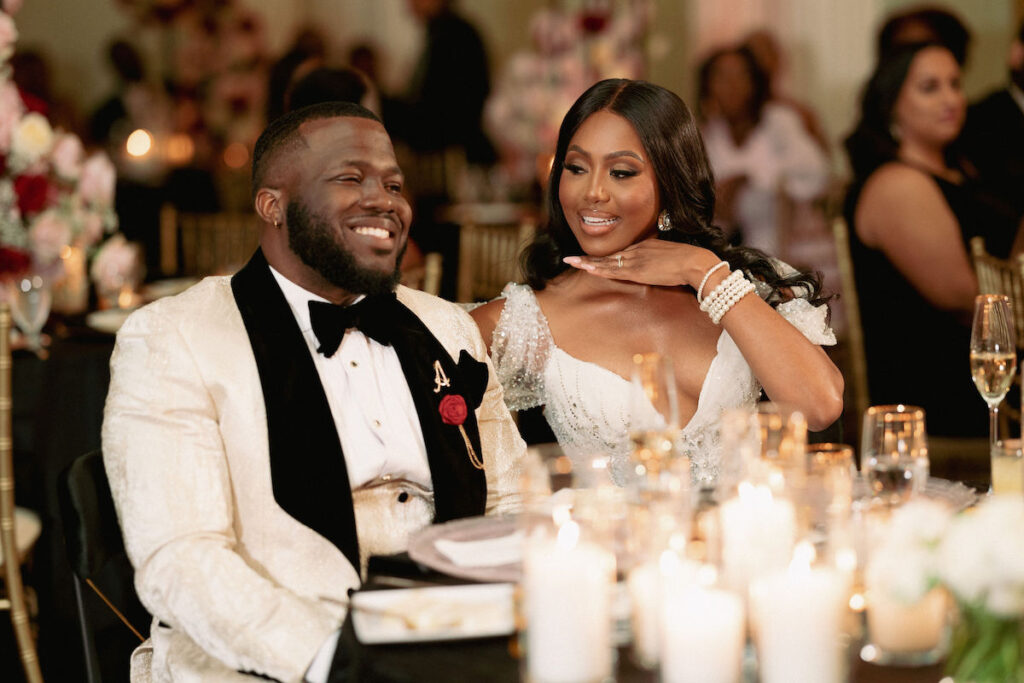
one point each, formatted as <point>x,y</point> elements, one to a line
<point>282,133</point>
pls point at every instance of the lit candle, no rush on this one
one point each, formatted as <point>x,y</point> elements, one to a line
<point>704,631</point>
<point>567,593</point>
<point>644,594</point>
<point>798,616</point>
<point>898,627</point>
<point>758,532</point>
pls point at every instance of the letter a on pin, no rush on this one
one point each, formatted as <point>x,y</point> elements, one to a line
<point>440,379</point>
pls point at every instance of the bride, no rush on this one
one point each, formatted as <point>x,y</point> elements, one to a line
<point>629,263</point>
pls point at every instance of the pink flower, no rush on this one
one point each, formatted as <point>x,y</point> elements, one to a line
<point>67,156</point>
<point>92,227</point>
<point>8,36</point>
<point>48,234</point>
<point>96,185</point>
<point>11,6</point>
<point>11,108</point>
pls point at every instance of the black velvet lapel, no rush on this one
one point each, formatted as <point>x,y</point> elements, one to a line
<point>460,489</point>
<point>307,465</point>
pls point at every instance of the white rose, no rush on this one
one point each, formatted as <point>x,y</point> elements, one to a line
<point>67,156</point>
<point>32,138</point>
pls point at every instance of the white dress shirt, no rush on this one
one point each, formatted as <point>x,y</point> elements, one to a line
<point>369,399</point>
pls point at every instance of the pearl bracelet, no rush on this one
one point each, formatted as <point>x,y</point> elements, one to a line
<point>700,290</point>
<point>725,295</point>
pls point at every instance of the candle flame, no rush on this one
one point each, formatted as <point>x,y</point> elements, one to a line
<point>568,535</point>
<point>139,143</point>
<point>803,557</point>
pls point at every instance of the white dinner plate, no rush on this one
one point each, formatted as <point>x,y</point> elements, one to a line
<point>423,547</point>
<point>415,615</point>
<point>109,320</point>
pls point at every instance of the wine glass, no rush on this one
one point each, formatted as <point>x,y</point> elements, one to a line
<point>894,458</point>
<point>30,298</point>
<point>654,414</point>
<point>993,353</point>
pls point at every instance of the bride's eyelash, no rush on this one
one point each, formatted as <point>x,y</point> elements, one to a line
<point>623,173</point>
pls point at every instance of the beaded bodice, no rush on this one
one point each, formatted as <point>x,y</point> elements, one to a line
<point>588,406</point>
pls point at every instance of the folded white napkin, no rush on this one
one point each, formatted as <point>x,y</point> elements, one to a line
<point>489,552</point>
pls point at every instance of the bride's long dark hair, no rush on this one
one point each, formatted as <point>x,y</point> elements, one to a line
<point>686,185</point>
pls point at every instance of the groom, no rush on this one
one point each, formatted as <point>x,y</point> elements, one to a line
<point>265,433</point>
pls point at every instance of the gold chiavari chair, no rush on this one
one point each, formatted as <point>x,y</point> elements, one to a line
<point>15,599</point>
<point>199,244</point>
<point>491,238</point>
<point>857,363</point>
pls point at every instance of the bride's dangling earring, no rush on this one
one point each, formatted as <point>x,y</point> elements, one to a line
<point>664,221</point>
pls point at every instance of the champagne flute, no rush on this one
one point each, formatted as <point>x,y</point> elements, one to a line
<point>30,299</point>
<point>895,452</point>
<point>654,414</point>
<point>993,353</point>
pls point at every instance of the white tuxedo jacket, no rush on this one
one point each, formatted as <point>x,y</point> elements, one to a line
<point>216,446</point>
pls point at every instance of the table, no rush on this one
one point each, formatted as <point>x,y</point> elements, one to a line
<point>58,414</point>
<point>495,660</point>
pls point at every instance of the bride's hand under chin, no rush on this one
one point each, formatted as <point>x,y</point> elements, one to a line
<point>651,262</point>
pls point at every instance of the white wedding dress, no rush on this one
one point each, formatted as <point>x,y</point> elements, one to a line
<point>588,407</point>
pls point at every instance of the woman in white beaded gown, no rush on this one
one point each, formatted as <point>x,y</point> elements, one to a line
<point>618,270</point>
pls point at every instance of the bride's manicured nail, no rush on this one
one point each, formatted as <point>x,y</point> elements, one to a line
<point>572,260</point>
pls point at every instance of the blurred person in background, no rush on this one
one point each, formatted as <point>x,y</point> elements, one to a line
<point>925,23</point>
<point>307,51</point>
<point>771,57</point>
<point>912,209</point>
<point>759,149</point>
<point>994,134</point>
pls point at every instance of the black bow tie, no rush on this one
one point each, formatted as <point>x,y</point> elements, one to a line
<point>373,316</point>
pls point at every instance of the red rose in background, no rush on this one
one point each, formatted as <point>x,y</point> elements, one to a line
<point>453,409</point>
<point>33,191</point>
<point>13,260</point>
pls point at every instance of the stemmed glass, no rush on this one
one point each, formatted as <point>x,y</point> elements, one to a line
<point>894,456</point>
<point>30,298</point>
<point>654,414</point>
<point>993,353</point>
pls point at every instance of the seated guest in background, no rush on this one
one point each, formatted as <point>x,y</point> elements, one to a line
<point>925,24</point>
<point>266,433</point>
<point>994,134</point>
<point>770,56</point>
<point>324,84</point>
<point>759,149</point>
<point>913,208</point>
<point>627,257</point>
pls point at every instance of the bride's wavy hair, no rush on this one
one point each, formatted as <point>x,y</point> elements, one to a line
<point>686,186</point>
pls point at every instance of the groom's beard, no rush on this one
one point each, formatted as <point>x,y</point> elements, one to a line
<point>312,239</point>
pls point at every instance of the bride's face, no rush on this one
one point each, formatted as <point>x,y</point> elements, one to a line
<point>607,189</point>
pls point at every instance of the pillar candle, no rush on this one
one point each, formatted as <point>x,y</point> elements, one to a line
<point>798,615</point>
<point>567,604</point>
<point>703,635</point>
<point>758,534</point>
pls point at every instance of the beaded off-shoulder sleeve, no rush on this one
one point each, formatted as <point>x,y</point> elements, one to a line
<point>520,346</point>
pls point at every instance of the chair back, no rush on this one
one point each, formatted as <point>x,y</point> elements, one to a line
<point>1001,276</point>
<point>489,246</point>
<point>200,244</point>
<point>857,363</point>
<point>15,599</point>
<point>95,549</point>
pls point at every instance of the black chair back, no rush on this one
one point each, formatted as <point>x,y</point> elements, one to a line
<point>97,557</point>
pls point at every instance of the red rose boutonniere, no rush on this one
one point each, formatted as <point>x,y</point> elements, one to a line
<point>453,409</point>
<point>454,412</point>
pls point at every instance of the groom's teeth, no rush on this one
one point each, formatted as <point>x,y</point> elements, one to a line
<point>379,233</point>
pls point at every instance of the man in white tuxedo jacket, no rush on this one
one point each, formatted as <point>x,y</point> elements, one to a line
<point>265,433</point>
